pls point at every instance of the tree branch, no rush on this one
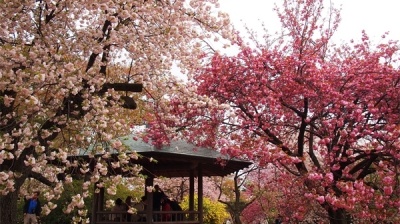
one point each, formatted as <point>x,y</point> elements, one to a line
<point>39,177</point>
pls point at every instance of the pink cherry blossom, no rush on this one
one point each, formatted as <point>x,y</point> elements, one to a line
<point>323,114</point>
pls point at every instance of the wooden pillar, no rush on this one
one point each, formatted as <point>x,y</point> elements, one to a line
<point>191,194</point>
<point>149,200</point>
<point>100,204</point>
<point>95,205</point>
<point>200,193</point>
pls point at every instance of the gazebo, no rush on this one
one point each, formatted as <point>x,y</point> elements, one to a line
<point>178,159</point>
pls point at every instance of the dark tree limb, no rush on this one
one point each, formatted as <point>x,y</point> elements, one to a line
<point>127,87</point>
<point>39,177</point>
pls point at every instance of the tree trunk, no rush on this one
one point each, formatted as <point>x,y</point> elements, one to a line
<point>237,218</point>
<point>8,208</point>
<point>237,209</point>
<point>339,216</point>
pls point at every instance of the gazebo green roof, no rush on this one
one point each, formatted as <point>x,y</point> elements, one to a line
<point>176,159</point>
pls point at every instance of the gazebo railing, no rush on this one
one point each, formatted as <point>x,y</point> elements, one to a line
<point>157,217</point>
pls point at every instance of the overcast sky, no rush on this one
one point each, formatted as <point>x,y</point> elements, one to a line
<point>374,16</point>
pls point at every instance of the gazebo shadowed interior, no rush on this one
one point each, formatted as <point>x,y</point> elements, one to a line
<point>178,159</point>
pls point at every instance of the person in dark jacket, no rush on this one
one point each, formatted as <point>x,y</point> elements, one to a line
<point>176,207</point>
<point>32,209</point>
<point>158,194</point>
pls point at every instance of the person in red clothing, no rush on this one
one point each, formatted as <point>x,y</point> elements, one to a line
<point>166,206</point>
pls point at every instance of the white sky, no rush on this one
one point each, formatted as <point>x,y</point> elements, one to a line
<point>373,16</point>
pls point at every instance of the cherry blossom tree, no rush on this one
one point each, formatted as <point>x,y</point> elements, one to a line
<point>230,192</point>
<point>274,196</point>
<point>264,188</point>
<point>326,114</point>
<point>63,81</point>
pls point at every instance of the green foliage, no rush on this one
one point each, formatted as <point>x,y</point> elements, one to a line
<point>131,187</point>
<point>20,208</point>
<point>57,215</point>
<point>134,188</point>
<point>214,212</point>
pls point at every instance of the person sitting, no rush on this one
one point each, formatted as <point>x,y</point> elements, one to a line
<point>128,205</point>
<point>140,207</point>
<point>118,208</point>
